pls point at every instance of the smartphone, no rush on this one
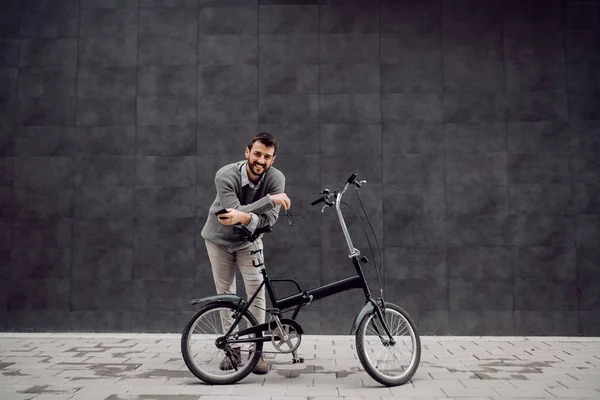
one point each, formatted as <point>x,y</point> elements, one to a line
<point>223,211</point>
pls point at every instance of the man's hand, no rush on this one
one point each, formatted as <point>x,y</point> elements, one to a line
<point>282,200</point>
<point>233,217</point>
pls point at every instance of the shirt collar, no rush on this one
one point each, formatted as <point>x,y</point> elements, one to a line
<point>246,180</point>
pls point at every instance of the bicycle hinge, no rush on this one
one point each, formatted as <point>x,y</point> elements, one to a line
<point>355,253</point>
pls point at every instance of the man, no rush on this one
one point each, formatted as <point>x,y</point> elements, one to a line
<point>252,192</point>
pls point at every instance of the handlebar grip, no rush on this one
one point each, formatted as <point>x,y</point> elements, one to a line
<point>352,177</point>
<point>317,201</point>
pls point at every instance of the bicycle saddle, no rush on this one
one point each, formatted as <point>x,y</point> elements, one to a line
<point>249,236</point>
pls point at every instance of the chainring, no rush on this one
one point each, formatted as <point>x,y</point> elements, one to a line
<point>286,346</point>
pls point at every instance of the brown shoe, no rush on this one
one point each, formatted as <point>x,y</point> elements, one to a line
<point>231,362</point>
<point>261,367</point>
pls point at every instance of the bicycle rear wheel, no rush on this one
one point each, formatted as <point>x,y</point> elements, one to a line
<point>387,363</point>
<point>204,359</point>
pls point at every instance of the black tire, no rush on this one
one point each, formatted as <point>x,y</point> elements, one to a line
<point>213,378</point>
<point>363,353</point>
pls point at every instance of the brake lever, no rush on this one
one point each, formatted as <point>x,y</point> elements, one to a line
<point>324,207</point>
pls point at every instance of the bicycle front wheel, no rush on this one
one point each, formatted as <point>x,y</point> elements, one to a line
<point>214,365</point>
<point>390,363</point>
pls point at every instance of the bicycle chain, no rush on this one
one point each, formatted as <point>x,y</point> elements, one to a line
<point>277,351</point>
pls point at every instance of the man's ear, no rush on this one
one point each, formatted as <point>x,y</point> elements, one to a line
<point>273,160</point>
<point>247,152</point>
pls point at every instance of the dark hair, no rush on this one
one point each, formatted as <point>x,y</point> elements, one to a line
<point>265,138</point>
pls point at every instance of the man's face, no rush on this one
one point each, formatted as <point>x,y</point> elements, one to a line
<point>260,158</point>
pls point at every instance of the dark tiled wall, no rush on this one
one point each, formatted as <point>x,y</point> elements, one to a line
<point>475,122</point>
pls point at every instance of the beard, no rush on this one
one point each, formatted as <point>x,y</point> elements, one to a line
<point>257,169</point>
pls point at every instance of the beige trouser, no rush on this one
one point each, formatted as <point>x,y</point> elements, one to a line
<point>224,263</point>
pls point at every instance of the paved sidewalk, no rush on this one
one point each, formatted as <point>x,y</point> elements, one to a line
<point>150,367</point>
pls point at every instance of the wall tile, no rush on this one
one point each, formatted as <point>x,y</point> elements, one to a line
<point>413,138</point>
<point>350,139</point>
<point>410,108</point>
<point>418,294</point>
<point>529,76</point>
<point>100,321</point>
<point>350,78</point>
<point>414,200</point>
<point>43,202</point>
<point>425,47</point>
<point>411,76</point>
<point>162,295</point>
<point>476,169</point>
<point>165,233</point>
<point>104,171</point>
<point>480,323</point>
<point>105,140</point>
<point>222,109</point>
<point>108,22</point>
<point>476,200</point>
<point>478,230</point>
<point>43,172</point>
<point>289,49</point>
<point>474,107</point>
<point>472,264</point>
<point>103,232</point>
<point>584,106</point>
<point>228,20</point>
<point>230,139</point>
<point>473,77</point>
<point>413,169</point>
<point>544,263</point>
<point>350,108</point>
<point>536,106</point>
<point>585,136</point>
<point>107,82</point>
<point>40,264</point>
<point>480,296</point>
<point>538,137</point>
<point>101,295</point>
<point>288,108</point>
<point>588,230</point>
<point>166,141</point>
<point>542,230</point>
<point>288,19</point>
<point>585,168</point>
<point>538,168</point>
<point>545,295</point>
<point>172,23</point>
<point>162,51</point>
<point>355,19</point>
<point>179,111</point>
<point>349,48</point>
<point>535,47</point>
<point>39,233</point>
<point>546,199</point>
<point>49,53</point>
<point>92,264</point>
<point>289,79</point>
<point>475,138</point>
<point>106,111</point>
<point>414,263</point>
<point>586,199</point>
<point>38,295</point>
<point>165,171</point>
<point>166,265</point>
<point>50,19</point>
<point>165,202</point>
<point>40,111</point>
<point>108,52</point>
<point>228,49</point>
<point>413,17</point>
<point>50,141</point>
<point>582,46</point>
<point>414,231</point>
<point>549,322</point>
<point>588,295</point>
<point>465,46</point>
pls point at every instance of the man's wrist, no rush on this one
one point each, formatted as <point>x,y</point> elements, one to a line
<point>246,218</point>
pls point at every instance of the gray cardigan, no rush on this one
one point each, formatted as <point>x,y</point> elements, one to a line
<point>253,199</point>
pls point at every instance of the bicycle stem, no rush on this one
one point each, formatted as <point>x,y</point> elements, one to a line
<point>354,252</point>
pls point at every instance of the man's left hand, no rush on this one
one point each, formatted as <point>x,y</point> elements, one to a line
<point>232,217</point>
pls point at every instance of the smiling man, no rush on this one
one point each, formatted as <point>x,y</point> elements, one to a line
<point>252,191</point>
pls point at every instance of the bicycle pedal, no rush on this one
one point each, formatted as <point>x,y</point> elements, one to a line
<point>300,360</point>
